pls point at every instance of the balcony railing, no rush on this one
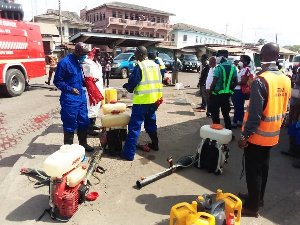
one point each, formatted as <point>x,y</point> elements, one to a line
<point>141,24</point>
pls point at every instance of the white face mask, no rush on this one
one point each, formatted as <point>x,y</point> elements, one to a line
<point>241,64</point>
<point>218,60</point>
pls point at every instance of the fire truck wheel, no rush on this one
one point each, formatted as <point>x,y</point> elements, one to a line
<point>15,83</point>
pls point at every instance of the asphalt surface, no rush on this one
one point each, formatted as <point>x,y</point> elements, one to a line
<point>120,201</point>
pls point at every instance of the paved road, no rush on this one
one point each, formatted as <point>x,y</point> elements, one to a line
<point>31,129</point>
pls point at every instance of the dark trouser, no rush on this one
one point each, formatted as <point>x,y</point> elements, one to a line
<point>257,160</point>
<point>106,75</point>
<point>220,101</point>
<point>203,96</point>
<point>238,99</point>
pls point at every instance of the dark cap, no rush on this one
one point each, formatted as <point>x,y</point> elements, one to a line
<point>222,53</point>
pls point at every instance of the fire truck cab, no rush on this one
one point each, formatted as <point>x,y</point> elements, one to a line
<point>21,50</point>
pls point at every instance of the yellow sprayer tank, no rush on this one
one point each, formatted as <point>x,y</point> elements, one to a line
<point>110,95</point>
<point>232,205</point>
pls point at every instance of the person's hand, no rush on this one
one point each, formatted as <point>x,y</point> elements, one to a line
<point>243,143</point>
<point>96,79</point>
<point>75,91</point>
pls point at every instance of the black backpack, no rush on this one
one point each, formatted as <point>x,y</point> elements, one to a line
<point>210,157</point>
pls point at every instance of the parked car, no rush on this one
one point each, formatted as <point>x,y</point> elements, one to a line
<point>296,61</point>
<point>167,60</point>
<point>189,62</point>
<point>123,64</point>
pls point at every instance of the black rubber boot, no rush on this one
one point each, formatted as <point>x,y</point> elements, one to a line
<point>68,138</point>
<point>154,139</point>
<point>93,124</point>
<point>82,138</point>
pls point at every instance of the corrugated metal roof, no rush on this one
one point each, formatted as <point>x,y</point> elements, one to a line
<point>47,28</point>
<point>72,17</point>
<point>131,7</point>
<point>183,26</point>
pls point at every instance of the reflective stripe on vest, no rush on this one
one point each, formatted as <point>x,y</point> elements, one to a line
<point>161,63</point>
<point>149,90</point>
<point>279,92</point>
<point>226,87</point>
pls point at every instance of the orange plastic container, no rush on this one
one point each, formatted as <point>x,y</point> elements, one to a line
<point>232,205</point>
<point>180,211</point>
<point>110,95</point>
<point>200,218</point>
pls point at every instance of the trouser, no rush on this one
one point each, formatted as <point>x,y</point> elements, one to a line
<point>162,72</point>
<point>238,103</point>
<point>203,96</point>
<point>140,114</point>
<point>257,167</point>
<point>174,77</point>
<point>220,101</point>
<point>106,75</point>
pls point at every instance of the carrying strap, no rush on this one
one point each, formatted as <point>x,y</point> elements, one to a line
<point>226,83</point>
<point>243,165</point>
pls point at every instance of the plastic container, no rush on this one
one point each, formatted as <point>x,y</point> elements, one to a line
<point>103,101</point>
<point>76,176</point>
<point>179,86</point>
<point>179,213</point>
<point>223,136</point>
<point>230,219</point>
<point>64,160</point>
<point>200,218</point>
<point>92,196</point>
<point>218,211</point>
<point>200,204</point>
<point>107,108</point>
<point>115,120</point>
<point>232,205</point>
<point>110,95</point>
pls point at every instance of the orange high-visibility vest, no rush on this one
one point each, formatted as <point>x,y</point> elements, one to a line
<point>279,92</point>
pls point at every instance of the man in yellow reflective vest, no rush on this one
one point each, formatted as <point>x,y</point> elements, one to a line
<point>269,97</point>
<point>145,83</point>
<point>161,64</point>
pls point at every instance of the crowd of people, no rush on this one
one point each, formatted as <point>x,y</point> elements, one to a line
<point>81,77</point>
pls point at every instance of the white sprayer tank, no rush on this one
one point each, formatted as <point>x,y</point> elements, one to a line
<point>108,108</point>
<point>222,136</point>
<point>115,120</point>
<point>65,159</point>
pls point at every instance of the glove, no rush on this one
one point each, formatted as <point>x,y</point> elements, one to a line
<point>159,102</point>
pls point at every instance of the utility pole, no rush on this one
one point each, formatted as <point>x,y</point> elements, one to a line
<point>60,24</point>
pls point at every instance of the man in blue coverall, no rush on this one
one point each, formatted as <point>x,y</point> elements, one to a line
<point>69,79</point>
<point>145,83</point>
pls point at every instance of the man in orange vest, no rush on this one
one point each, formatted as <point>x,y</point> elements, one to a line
<point>270,93</point>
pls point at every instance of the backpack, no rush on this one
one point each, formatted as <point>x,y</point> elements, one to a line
<point>211,157</point>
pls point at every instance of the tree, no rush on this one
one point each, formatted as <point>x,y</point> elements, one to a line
<point>261,41</point>
<point>294,48</point>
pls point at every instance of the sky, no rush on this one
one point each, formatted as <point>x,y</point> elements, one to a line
<point>258,19</point>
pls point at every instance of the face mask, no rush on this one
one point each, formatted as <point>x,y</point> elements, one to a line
<point>240,64</point>
<point>82,58</point>
<point>219,58</point>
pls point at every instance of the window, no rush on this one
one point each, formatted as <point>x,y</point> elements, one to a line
<point>147,34</point>
<point>208,40</point>
<point>113,31</point>
<point>126,32</point>
<point>151,35</point>
<point>120,14</point>
<point>131,33</point>
<point>196,39</point>
<point>142,34</point>
<point>136,16</point>
<point>152,19</point>
<point>205,41</point>
<point>114,14</point>
<point>163,36</point>
<point>157,35</point>
<point>217,42</point>
<point>136,33</point>
<point>163,20</point>
<point>94,17</point>
<point>213,41</point>
<point>119,31</point>
<point>131,16</point>
<point>185,37</point>
<point>173,37</point>
<point>158,19</point>
<point>126,15</point>
<point>100,16</point>
<point>200,40</point>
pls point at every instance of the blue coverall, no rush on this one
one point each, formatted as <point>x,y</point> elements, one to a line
<point>162,71</point>
<point>68,75</point>
<point>140,113</point>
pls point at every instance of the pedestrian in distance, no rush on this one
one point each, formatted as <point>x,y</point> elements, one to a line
<point>145,83</point>
<point>161,64</point>
<point>108,60</point>
<point>202,82</point>
<point>212,64</point>
<point>69,79</point>
<point>175,70</point>
<point>52,60</point>
<point>270,93</point>
<point>92,68</point>
<point>221,89</point>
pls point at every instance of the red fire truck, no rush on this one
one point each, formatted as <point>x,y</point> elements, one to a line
<point>21,50</point>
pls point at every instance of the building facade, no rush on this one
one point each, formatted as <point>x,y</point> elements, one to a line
<point>128,19</point>
<point>184,35</point>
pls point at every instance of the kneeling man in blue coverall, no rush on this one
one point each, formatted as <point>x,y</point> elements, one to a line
<point>145,83</point>
<point>69,79</point>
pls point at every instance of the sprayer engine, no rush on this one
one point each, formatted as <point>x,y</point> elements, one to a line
<point>66,199</point>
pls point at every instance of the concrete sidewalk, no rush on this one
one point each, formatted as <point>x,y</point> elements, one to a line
<point>120,202</point>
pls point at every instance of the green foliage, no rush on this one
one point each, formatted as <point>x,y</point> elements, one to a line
<point>294,48</point>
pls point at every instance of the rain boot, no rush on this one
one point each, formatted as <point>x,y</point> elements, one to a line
<point>68,138</point>
<point>82,138</point>
<point>90,130</point>
<point>154,139</point>
<point>93,124</point>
